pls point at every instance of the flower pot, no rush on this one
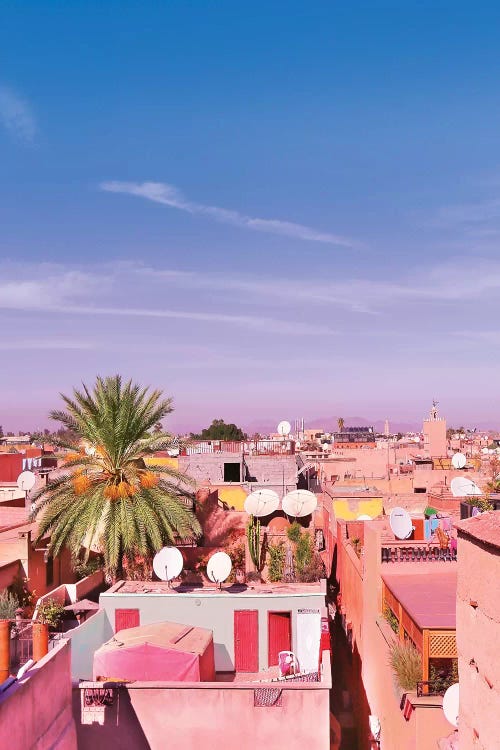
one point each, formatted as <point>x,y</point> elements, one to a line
<point>40,640</point>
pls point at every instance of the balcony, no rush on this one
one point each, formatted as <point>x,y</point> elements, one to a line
<point>248,448</point>
<point>415,552</point>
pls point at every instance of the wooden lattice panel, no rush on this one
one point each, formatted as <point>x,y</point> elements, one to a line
<point>442,644</point>
<point>413,630</point>
<point>391,600</point>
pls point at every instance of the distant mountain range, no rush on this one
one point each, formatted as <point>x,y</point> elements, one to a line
<point>329,424</point>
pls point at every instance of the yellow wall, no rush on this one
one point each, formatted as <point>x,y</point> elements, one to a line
<point>234,496</point>
<point>350,509</point>
<point>172,463</point>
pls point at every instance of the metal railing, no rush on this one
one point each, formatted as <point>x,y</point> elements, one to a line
<point>249,448</point>
<point>428,687</point>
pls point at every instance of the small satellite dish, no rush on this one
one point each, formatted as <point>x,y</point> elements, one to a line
<point>90,450</point>
<point>458,461</point>
<point>262,503</point>
<point>219,567</point>
<point>299,503</point>
<point>325,446</point>
<point>364,517</point>
<point>451,701</point>
<point>284,428</point>
<point>167,563</point>
<point>400,522</point>
<point>463,487</point>
<point>485,450</point>
<point>26,481</point>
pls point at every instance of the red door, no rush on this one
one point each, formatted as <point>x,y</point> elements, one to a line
<point>126,618</point>
<point>246,640</point>
<point>279,635</point>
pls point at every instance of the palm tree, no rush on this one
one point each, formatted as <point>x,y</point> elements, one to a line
<point>109,499</point>
<point>340,423</point>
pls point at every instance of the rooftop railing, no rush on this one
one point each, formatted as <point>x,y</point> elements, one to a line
<point>249,448</point>
<point>416,552</point>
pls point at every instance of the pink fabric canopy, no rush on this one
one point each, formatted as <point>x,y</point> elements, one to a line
<point>164,652</point>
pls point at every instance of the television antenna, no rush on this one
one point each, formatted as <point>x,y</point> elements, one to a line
<point>284,428</point>
<point>464,487</point>
<point>219,567</point>
<point>299,503</point>
<point>400,522</point>
<point>458,461</point>
<point>168,564</point>
<point>262,503</point>
<point>451,702</point>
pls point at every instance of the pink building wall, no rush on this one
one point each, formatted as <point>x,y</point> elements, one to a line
<point>374,690</point>
<point>435,443</point>
<point>211,715</point>
<point>478,629</point>
<point>35,713</point>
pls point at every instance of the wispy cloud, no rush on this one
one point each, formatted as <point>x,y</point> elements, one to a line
<point>55,290</point>
<point>168,195</point>
<point>16,116</point>
<point>46,344</point>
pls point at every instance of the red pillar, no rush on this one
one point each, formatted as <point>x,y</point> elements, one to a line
<point>4,649</point>
<point>40,640</point>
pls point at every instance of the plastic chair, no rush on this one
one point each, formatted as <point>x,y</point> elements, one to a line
<point>287,663</point>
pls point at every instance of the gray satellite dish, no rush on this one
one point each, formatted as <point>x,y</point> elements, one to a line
<point>400,522</point>
<point>299,503</point>
<point>219,567</point>
<point>26,481</point>
<point>458,461</point>
<point>451,702</point>
<point>262,503</point>
<point>167,563</point>
<point>284,428</point>
<point>464,487</point>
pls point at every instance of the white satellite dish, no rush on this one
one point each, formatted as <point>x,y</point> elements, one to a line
<point>400,522</point>
<point>364,517</point>
<point>26,481</point>
<point>90,450</point>
<point>284,428</point>
<point>458,461</point>
<point>485,450</point>
<point>299,503</point>
<point>463,487</point>
<point>168,563</point>
<point>219,567</point>
<point>262,503</point>
<point>451,701</point>
<point>325,446</point>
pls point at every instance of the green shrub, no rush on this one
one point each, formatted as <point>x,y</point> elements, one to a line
<point>406,663</point>
<point>294,532</point>
<point>50,613</point>
<point>391,619</point>
<point>483,503</point>
<point>313,571</point>
<point>304,552</point>
<point>276,565</point>
<point>82,568</point>
<point>8,605</point>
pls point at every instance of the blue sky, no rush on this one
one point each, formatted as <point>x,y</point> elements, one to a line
<point>269,210</point>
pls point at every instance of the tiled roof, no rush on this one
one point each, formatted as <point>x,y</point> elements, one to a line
<point>484,527</point>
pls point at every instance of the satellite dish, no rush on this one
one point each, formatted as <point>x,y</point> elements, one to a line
<point>26,481</point>
<point>458,461</point>
<point>262,503</point>
<point>219,567</point>
<point>463,487</point>
<point>400,522</point>
<point>284,428</point>
<point>325,446</point>
<point>167,563</point>
<point>451,701</point>
<point>485,450</point>
<point>299,503</point>
<point>364,517</point>
<point>90,450</point>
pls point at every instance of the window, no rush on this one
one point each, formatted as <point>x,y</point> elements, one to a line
<point>232,472</point>
<point>49,571</point>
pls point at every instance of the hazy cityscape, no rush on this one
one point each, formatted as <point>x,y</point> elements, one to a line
<point>249,420</point>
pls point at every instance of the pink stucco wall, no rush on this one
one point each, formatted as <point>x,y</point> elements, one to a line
<point>376,691</point>
<point>478,628</point>
<point>211,716</point>
<point>35,713</point>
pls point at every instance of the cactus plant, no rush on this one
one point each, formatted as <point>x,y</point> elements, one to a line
<point>253,536</point>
